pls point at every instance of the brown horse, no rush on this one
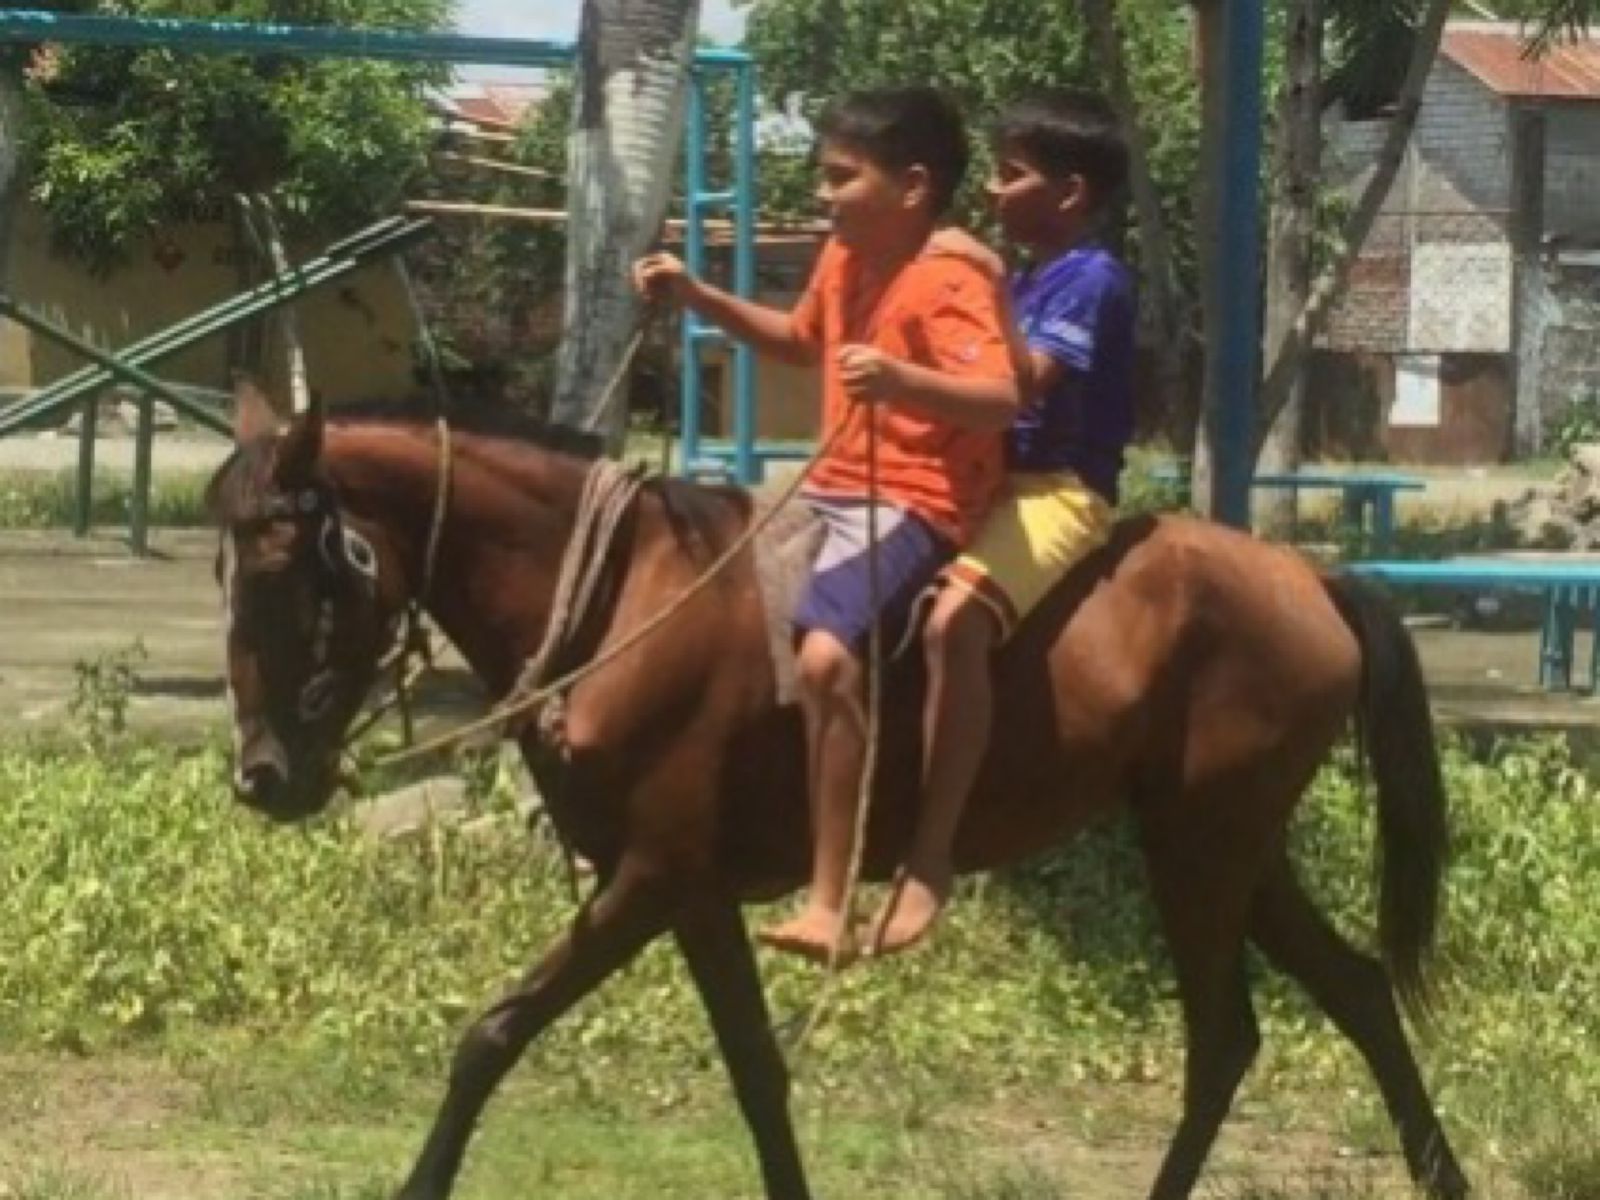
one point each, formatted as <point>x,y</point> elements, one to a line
<point>1201,681</point>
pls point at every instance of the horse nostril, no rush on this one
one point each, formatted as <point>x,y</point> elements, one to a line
<point>258,782</point>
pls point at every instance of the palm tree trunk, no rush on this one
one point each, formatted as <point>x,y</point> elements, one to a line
<point>11,119</point>
<point>632,82</point>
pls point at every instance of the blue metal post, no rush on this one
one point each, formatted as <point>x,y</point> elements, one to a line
<point>744,272</point>
<point>694,257</point>
<point>314,41</point>
<point>1231,367</point>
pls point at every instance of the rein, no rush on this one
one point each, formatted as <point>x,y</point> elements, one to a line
<point>415,643</point>
<point>528,696</point>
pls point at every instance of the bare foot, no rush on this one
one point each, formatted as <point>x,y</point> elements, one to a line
<point>812,935</point>
<point>908,914</point>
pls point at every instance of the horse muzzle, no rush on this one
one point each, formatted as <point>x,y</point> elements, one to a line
<point>267,782</point>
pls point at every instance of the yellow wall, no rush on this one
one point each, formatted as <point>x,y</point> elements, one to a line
<point>788,398</point>
<point>357,332</point>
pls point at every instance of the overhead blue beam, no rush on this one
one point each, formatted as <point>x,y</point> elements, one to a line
<point>1231,367</point>
<point>233,37</point>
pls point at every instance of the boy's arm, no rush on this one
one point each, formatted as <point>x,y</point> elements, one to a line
<point>973,402</point>
<point>968,371</point>
<point>770,331</point>
<point>1068,331</point>
<point>1039,373</point>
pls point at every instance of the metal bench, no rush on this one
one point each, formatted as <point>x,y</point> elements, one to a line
<point>1362,493</point>
<point>1567,584</point>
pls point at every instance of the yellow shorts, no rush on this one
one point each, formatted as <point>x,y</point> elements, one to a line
<point>1041,527</point>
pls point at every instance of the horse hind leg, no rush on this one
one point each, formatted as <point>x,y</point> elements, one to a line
<point>1355,992</point>
<point>1203,898</point>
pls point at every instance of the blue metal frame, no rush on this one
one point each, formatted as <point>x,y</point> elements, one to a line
<point>312,41</point>
<point>702,198</point>
<point>1567,586</point>
<point>326,42</point>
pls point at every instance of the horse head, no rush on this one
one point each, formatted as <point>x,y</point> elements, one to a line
<point>312,601</point>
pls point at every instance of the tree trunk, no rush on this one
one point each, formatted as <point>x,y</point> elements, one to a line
<point>1208,65</point>
<point>634,59</point>
<point>277,258</point>
<point>1164,307</point>
<point>1291,233</point>
<point>11,119</point>
<point>1330,284</point>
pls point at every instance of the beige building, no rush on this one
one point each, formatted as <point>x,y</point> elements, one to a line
<point>357,332</point>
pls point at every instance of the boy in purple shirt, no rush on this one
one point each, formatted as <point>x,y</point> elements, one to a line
<point>1060,162</point>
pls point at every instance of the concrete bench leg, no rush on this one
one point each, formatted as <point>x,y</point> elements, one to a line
<point>1593,597</point>
<point>1353,509</point>
<point>1550,640</point>
<point>1556,640</point>
<point>1382,522</point>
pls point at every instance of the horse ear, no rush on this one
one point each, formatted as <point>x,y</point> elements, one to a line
<point>302,445</point>
<point>253,414</point>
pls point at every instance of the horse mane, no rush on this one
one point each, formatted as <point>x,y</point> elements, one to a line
<point>696,513</point>
<point>481,418</point>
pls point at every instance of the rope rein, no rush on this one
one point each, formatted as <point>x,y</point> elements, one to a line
<point>869,761</point>
<point>609,491</point>
<point>521,701</point>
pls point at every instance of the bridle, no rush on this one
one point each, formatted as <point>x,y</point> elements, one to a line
<point>348,559</point>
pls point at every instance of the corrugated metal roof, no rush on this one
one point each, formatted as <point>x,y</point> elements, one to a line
<point>496,105</point>
<point>1493,52</point>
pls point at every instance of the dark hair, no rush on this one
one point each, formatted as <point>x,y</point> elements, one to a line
<point>902,127</point>
<point>1066,132</point>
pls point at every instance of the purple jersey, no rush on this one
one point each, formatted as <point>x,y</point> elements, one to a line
<point>1079,310</point>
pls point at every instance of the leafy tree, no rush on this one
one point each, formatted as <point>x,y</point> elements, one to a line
<point>126,140</point>
<point>15,59</point>
<point>1149,55</point>
<point>986,52</point>
<point>489,281</point>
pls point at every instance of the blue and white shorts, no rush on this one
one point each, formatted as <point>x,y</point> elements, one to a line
<point>838,597</point>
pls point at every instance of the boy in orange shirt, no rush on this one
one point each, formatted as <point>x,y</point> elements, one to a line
<point>909,333</point>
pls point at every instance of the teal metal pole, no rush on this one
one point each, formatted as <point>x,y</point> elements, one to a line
<point>312,41</point>
<point>693,330</point>
<point>143,451</point>
<point>83,495</point>
<point>746,469</point>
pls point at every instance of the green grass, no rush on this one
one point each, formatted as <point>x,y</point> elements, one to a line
<point>48,500</point>
<point>60,1183</point>
<point>286,1000</point>
<point>1567,1167</point>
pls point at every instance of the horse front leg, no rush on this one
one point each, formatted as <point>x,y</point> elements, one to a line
<point>608,931</point>
<point>717,948</point>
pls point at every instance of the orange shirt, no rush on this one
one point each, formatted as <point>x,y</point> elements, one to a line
<point>941,310</point>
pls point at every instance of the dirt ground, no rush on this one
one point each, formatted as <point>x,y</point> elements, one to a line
<point>65,601</point>
<point>126,1127</point>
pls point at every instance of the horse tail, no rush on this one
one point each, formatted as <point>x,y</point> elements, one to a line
<point>1395,727</point>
